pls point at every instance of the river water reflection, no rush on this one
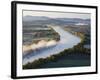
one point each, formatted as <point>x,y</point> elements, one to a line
<point>67,40</point>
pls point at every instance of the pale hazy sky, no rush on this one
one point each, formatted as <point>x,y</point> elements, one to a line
<point>57,14</point>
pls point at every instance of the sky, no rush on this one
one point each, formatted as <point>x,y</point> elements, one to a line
<point>57,14</point>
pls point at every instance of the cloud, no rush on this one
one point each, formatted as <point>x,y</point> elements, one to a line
<point>41,44</point>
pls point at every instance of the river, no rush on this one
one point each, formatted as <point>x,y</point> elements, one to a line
<point>67,40</point>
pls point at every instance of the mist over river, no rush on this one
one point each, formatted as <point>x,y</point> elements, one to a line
<point>67,40</point>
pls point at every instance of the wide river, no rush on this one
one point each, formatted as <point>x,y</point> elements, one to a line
<point>67,40</point>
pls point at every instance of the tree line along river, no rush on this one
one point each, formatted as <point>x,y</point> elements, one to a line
<point>67,40</point>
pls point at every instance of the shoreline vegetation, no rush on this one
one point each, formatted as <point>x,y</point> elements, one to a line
<point>72,57</point>
<point>42,37</point>
<point>40,32</point>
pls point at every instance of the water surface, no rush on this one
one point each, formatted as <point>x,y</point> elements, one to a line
<point>67,40</point>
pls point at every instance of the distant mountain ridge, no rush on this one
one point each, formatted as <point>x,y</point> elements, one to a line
<point>31,18</point>
<point>47,20</point>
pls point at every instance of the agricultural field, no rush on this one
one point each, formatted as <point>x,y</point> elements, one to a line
<point>35,33</point>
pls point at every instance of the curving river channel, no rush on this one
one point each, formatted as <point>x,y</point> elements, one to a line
<point>67,40</point>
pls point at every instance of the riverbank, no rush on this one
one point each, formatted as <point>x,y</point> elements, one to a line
<point>67,40</point>
<point>37,37</point>
<point>74,57</point>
